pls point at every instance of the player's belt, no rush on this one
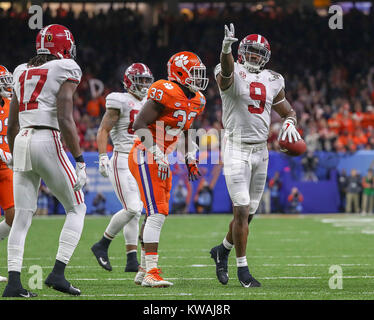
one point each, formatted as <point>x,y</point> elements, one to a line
<point>255,146</point>
<point>43,128</point>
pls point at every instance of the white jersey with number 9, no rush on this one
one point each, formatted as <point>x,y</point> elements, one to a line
<point>246,104</point>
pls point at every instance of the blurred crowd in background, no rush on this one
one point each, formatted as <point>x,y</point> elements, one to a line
<point>328,73</point>
<point>329,77</point>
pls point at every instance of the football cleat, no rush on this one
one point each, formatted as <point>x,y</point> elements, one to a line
<point>59,283</point>
<point>246,279</point>
<point>3,279</point>
<point>140,276</point>
<point>153,279</point>
<point>220,256</point>
<point>19,292</point>
<point>101,255</point>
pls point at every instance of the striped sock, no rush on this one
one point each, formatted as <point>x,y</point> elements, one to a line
<point>151,260</point>
<point>241,261</point>
<point>227,244</point>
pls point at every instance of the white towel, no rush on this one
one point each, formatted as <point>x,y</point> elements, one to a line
<point>21,152</point>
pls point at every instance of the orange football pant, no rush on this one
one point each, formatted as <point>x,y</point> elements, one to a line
<point>6,188</point>
<point>154,192</point>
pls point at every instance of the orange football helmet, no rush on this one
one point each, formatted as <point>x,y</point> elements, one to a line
<point>187,69</point>
<point>6,83</point>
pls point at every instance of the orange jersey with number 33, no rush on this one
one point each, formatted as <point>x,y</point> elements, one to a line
<point>177,116</point>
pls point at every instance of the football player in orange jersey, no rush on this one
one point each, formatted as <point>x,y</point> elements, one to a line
<point>171,107</point>
<point>6,174</point>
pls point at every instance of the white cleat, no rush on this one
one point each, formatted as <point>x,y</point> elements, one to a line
<point>3,279</point>
<point>154,280</point>
<point>139,276</point>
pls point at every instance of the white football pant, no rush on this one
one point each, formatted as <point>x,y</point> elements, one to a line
<point>245,170</point>
<point>50,163</point>
<point>128,194</point>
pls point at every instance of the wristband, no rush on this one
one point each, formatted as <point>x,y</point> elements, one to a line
<point>79,159</point>
<point>225,76</point>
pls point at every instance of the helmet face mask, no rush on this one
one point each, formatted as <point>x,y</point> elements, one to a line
<point>141,84</point>
<point>137,79</point>
<point>254,53</point>
<point>197,80</point>
<point>6,83</point>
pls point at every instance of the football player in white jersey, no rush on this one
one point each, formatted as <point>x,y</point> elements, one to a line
<point>121,110</point>
<point>248,93</point>
<point>41,110</point>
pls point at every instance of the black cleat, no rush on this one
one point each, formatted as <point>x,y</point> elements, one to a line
<point>19,292</point>
<point>59,283</point>
<point>132,266</point>
<point>220,256</point>
<point>246,279</point>
<point>101,255</point>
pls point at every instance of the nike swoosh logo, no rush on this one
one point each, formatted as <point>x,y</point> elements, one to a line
<point>245,285</point>
<point>218,261</point>
<point>103,261</point>
<point>25,295</point>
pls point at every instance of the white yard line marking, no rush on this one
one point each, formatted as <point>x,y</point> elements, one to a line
<point>213,278</point>
<point>353,224</point>
<point>245,293</point>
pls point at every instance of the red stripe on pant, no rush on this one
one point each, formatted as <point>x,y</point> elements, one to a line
<point>116,178</point>
<point>62,160</point>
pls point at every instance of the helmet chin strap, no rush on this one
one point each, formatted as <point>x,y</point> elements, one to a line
<point>251,68</point>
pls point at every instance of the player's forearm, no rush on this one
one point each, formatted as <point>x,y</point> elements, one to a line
<point>227,64</point>
<point>102,140</point>
<point>70,135</point>
<point>11,135</point>
<point>290,114</point>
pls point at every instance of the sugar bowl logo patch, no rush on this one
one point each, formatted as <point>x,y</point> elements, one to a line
<point>242,74</point>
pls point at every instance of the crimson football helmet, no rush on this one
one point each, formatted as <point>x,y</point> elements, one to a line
<point>57,40</point>
<point>6,83</point>
<point>137,79</point>
<point>254,44</point>
<point>187,69</point>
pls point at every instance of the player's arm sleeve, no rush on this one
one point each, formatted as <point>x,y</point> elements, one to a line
<point>112,101</point>
<point>233,88</point>
<point>70,71</point>
<point>280,84</point>
<point>161,92</point>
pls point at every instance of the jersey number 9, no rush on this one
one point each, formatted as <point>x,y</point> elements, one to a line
<point>260,95</point>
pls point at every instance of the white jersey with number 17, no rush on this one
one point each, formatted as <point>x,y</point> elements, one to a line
<point>36,89</point>
<point>246,104</point>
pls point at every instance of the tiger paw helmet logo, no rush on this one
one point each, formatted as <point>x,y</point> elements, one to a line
<point>181,61</point>
<point>168,86</point>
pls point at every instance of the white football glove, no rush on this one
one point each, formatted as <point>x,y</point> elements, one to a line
<point>7,158</point>
<point>80,169</point>
<point>229,39</point>
<point>289,131</point>
<point>104,164</point>
<point>162,162</point>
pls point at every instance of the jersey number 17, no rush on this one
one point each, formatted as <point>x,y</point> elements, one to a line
<point>27,75</point>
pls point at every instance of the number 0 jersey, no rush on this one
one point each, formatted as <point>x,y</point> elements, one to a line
<point>36,89</point>
<point>247,103</point>
<point>177,116</point>
<point>122,133</point>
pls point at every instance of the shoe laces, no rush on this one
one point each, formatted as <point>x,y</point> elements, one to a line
<point>155,272</point>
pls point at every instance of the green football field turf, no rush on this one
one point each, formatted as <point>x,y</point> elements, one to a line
<point>290,255</point>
